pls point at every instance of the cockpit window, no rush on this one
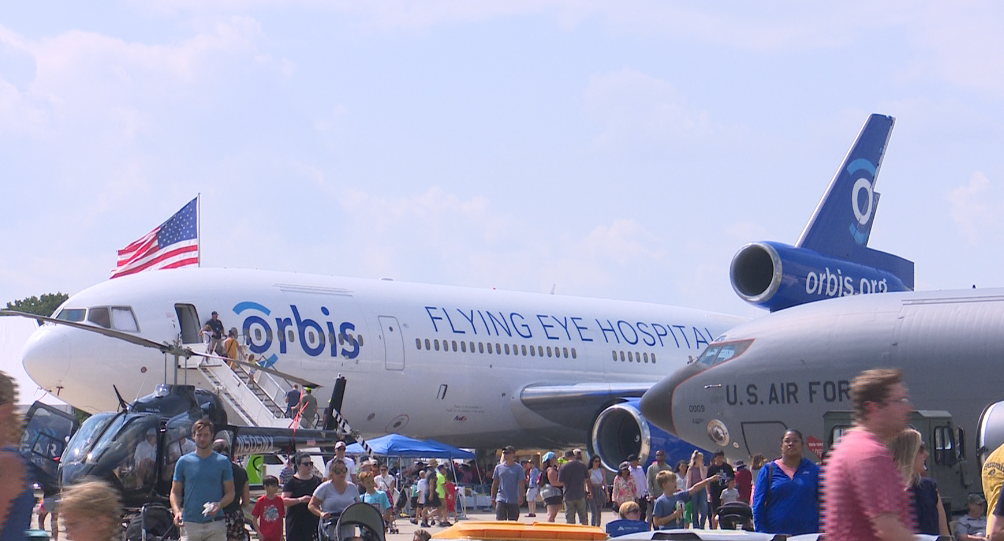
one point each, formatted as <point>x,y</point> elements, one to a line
<point>99,316</point>
<point>123,319</point>
<point>719,353</point>
<point>119,318</point>
<point>72,314</point>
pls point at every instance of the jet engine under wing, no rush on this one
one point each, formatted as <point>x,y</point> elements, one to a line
<point>576,405</point>
<point>609,413</point>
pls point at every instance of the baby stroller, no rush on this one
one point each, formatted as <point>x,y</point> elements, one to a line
<point>392,513</point>
<point>359,516</point>
<point>735,515</point>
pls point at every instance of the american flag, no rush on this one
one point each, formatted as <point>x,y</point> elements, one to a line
<point>175,243</point>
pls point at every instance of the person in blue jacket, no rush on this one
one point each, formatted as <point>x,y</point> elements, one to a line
<point>786,492</point>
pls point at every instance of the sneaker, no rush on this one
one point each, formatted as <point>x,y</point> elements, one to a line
<point>445,524</point>
<point>414,521</point>
<point>531,515</point>
<point>425,524</point>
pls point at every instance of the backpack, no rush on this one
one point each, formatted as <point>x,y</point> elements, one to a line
<point>542,478</point>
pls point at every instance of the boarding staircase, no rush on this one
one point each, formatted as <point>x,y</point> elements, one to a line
<point>256,397</point>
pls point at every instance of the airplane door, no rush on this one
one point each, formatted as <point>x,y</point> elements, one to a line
<point>393,343</point>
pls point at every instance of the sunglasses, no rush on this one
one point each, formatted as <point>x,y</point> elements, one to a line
<point>306,463</point>
<point>339,472</point>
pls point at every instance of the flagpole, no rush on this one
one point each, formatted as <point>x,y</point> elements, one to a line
<point>198,205</point>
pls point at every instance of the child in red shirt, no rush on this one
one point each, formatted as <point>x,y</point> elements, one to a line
<point>269,511</point>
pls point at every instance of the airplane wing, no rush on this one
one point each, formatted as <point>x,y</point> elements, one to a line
<point>576,404</point>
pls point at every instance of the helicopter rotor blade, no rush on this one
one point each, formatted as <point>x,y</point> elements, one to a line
<point>274,372</point>
<point>133,339</point>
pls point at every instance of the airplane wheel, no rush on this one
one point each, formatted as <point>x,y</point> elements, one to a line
<point>159,525</point>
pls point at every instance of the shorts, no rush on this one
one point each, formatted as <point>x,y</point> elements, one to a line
<point>414,501</point>
<point>235,525</point>
<point>554,500</point>
<point>716,502</point>
<point>434,501</point>
<point>531,494</point>
<point>49,504</point>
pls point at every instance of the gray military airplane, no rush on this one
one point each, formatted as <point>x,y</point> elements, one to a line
<point>789,368</point>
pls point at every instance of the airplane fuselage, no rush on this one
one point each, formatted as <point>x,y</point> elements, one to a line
<point>422,360</point>
<point>798,363</point>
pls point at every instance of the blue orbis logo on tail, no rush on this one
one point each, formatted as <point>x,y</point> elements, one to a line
<point>863,199</point>
<point>314,339</point>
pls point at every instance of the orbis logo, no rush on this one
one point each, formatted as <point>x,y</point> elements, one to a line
<point>829,284</point>
<point>862,204</point>
<point>315,337</point>
<point>862,215</point>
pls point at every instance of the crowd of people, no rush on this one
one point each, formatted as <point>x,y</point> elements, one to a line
<point>874,488</point>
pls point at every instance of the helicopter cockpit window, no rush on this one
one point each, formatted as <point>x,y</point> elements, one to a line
<point>76,451</point>
<point>125,446</point>
<point>123,319</point>
<point>99,316</point>
<point>177,442</point>
<point>72,314</point>
<point>106,439</point>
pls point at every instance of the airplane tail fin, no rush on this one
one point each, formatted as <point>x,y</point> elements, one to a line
<point>831,257</point>
<point>842,223</point>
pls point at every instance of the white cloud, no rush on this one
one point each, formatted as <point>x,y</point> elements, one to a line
<point>976,208</point>
<point>84,76</point>
<point>634,107</point>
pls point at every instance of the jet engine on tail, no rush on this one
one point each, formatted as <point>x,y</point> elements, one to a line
<point>831,258</point>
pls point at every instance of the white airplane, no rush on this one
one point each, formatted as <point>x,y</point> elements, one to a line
<point>478,368</point>
<point>469,367</point>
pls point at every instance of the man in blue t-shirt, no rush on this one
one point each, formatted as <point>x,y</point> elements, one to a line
<point>508,486</point>
<point>203,486</point>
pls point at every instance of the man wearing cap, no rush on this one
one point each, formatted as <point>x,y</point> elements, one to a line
<point>641,483</point>
<point>145,456</point>
<point>724,472</point>
<point>744,481</point>
<point>973,525</point>
<point>573,475</point>
<point>349,463</point>
<point>654,489</point>
<point>507,486</point>
<point>216,339</point>
<point>308,408</point>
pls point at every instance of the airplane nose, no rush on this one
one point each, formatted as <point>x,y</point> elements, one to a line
<point>46,358</point>
<point>657,403</point>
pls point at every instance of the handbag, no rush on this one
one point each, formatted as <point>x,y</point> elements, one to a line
<point>549,491</point>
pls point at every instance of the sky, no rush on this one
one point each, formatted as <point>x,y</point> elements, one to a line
<point>619,150</point>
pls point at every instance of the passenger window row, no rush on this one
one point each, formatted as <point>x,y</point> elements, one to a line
<point>496,348</point>
<point>633,357</point>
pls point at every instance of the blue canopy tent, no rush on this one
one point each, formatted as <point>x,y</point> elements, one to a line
<point>405,447</point>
